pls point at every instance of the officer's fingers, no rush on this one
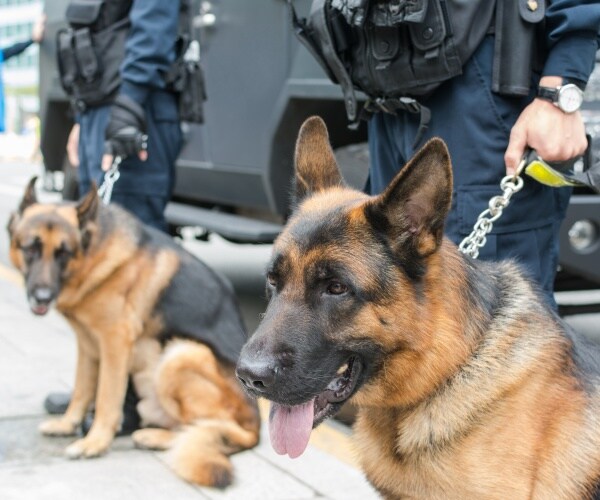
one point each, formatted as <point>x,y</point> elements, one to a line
<point>580,140</point>
<point>568,144</point>
<point>107,161</point>
<point>515,150</point>
<point>143,155</point>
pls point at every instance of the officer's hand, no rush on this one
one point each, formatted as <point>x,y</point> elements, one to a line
<point>39,28</point>
<point>126,131</point>
<point>554,134</point>
<point>73,146</point>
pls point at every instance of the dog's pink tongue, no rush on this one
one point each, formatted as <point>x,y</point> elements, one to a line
<point>290,427</point>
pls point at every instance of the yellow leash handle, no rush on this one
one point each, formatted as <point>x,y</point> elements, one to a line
<point>578,171</point>
<point>546,173</point>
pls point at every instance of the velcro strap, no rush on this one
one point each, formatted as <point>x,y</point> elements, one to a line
<point>67,66</point>
<point>393,105</point>
<point>85,55</point>
<point>320,25</point>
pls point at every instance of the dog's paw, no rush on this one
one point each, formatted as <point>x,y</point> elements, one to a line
<point>58,427</point>
<point>153,439</point>
<point>87,448</point>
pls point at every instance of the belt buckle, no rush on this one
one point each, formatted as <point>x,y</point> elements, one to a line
<point>410,104</point>
<point>381,103</point>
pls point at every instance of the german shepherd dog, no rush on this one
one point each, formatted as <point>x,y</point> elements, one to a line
<point>140,305</point>
<point>467,385</point>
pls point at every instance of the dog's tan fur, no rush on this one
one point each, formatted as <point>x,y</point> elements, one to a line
<point>477,390</point>
<point>109,299</point>
<point>499,418</point>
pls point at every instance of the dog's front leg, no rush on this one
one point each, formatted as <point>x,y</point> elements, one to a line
<point>84,389</point>
<point>115,353</point>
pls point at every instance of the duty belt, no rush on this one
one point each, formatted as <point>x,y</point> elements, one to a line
<point>393,105</point>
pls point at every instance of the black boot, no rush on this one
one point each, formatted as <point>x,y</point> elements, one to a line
<point>56,403</point>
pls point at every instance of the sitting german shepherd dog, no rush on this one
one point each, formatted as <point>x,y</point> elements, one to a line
<point>467,385</point>
<point>140,305</point>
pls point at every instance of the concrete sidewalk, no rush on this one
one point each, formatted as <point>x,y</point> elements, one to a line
<point>37,356</point>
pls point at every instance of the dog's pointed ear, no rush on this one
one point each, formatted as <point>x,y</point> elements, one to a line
<point>413,208</point>
<point>13,219</point>
<point>316,167</point>
<point>29,197</point>
<point>87,208</point>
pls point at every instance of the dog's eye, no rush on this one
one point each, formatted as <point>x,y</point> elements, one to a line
<point>62,255</point>
<point>336,288</point>
<point>30,252</point>
<point>271,279</point>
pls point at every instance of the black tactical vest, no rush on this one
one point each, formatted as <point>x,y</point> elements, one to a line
<point>399,51</point>
<point>91,50</point>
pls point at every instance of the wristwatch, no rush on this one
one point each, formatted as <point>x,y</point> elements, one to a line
<point>568,97</point>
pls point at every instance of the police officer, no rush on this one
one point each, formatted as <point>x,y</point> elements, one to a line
<point>487,134</point>
<point>140,124</point>
<point>143,107</point>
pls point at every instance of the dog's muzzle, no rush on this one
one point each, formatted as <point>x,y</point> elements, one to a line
<point>40,300</point>
<point>257,376</point>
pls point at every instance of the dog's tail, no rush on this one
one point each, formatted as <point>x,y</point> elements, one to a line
<point>200,452</point>
<point>217,418</point>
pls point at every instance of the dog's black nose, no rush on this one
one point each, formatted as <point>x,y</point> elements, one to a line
<point>43,295</point>
<point>257,375</point>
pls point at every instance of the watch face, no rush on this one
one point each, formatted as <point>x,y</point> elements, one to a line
<point>570,98</point>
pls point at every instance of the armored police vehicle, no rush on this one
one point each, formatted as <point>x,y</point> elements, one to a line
<point>233,175</point>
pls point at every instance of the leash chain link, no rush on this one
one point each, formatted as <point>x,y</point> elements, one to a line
<point>110,177</point>
<point>510,185</point>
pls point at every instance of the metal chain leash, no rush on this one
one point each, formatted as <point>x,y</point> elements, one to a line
<point>110,177</point>
<point>510,185</point>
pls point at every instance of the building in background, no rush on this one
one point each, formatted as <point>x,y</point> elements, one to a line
<point>20,73</point>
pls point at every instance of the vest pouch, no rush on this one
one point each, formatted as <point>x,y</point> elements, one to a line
<point>99,76</point>
<point>186,80</point>
<point>435,58</point>
<point>385,65</point>
<point>85,55</point>
<point>192,95</point>
<point>512,75</point>
<point>67,66</point>
<point>410,57</point>
<point>90,53</point>
<point>84,14</point>
<point>97,15</point>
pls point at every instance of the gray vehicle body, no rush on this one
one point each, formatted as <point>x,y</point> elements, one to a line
<point>234,173</point>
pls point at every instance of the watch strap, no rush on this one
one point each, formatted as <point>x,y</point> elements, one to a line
<point>548,93</point>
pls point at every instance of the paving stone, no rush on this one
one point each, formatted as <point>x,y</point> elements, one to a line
<point>331,478</point>
<point>131,475</point>
<point>258,479</point>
